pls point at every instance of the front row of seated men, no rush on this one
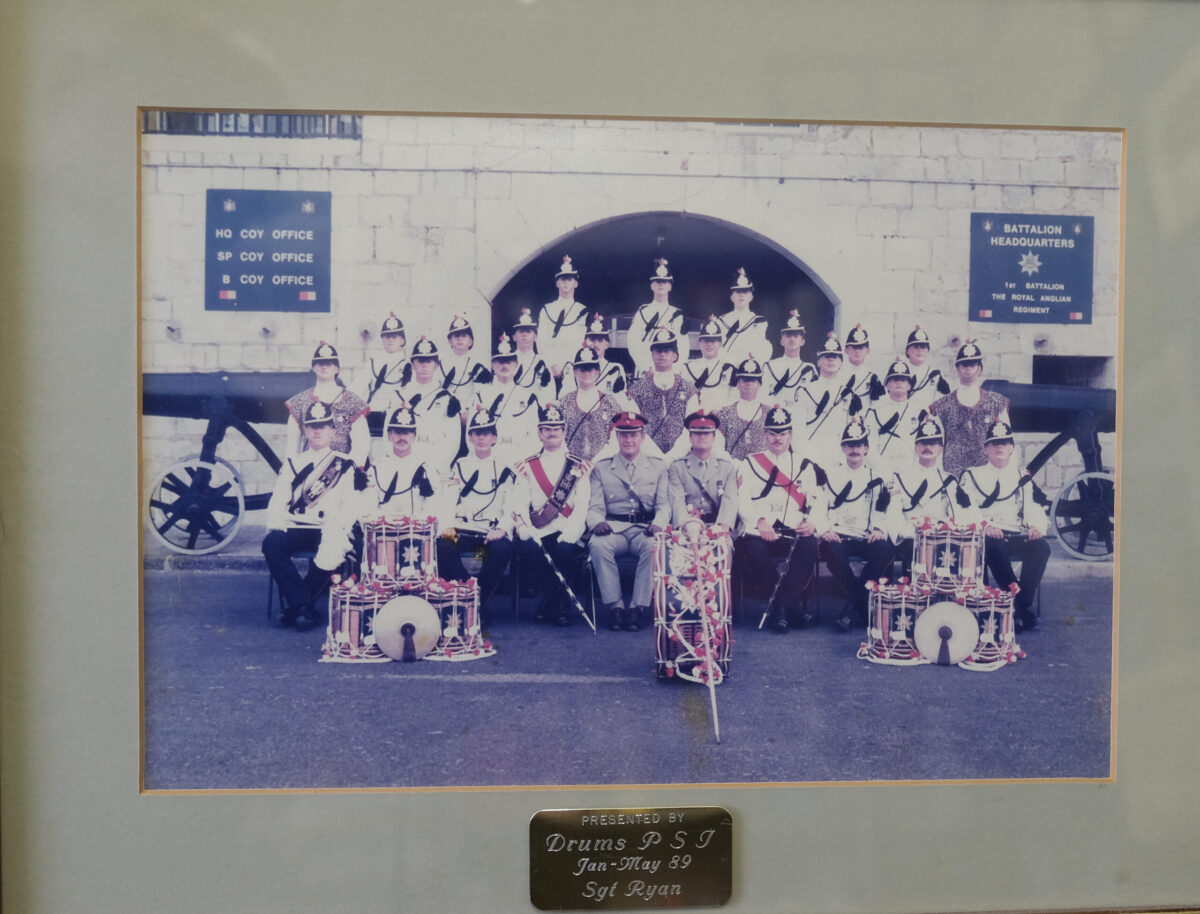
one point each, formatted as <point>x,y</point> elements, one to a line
<point>557,509</point>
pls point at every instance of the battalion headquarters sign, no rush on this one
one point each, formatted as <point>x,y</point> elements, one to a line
<point>1031,269</point>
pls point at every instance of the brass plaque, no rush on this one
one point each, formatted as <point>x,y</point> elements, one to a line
<point>661,857</point>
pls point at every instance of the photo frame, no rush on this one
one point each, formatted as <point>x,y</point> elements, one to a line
<point>266,235</point>
<point>1125,844</point>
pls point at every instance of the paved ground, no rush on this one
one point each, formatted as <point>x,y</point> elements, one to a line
<point>232,701</point>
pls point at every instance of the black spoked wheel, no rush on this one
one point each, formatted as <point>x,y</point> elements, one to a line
<point>1084,515</point>
<point>197,506</point>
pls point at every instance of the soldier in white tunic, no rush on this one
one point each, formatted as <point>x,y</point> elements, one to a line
<point>381,375</point>
<point>928,381</point>
<point>628,506</point>
<point>784,374</point>
<point>1015,511</point>
<point>780,510</point>
<point>650,317</point>
<point>512,408</point>
<point>921,492</point>
<point>532,371</point>
<point>858,500</point>
<point>828,403</point>
<point>745,333</point>
<point>612,374</point>
<point>482,487</point>
<point>403,483</point>
<point>892,421</point>
<point>561,323</point>
<point>311,510</point>
<point>439,429</point>
<point>461,370</point>
<point>551,504</point>
<point>711,374</point>
<point>857,374</point>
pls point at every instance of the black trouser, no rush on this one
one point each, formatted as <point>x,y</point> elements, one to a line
<point>758,564</point>
<point>495,556</point>
<point>1033,554</point>
<point>568,558</point>
<point>877,558</point>
<point>278,548</point>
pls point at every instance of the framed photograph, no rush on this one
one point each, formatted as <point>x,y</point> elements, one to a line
<point>101,812</point>
<point>898,263</point>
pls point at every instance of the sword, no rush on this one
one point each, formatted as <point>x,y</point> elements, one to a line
<point>787,562</point>
<point>561,580</point>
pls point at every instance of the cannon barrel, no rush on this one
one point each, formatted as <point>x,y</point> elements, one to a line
<point>1054,407</point>
<point>255,396</point>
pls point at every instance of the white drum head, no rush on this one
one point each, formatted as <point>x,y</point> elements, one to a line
<point>407,622</point>
<point>947,625</point>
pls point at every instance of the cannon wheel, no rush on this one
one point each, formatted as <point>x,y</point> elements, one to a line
<point>1084,516</point>
<point>197,506</point>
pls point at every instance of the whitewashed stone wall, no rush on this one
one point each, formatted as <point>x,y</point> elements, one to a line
<point>432,215</point>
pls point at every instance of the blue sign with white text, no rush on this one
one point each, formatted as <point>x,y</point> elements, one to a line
<point>267,250</point>
<point>1031,269</point>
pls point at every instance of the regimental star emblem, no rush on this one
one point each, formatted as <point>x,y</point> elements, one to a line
<point>904,622</point>
<point>987,225</point>
<point>1078,229</point>
<point>946,559</point>
<point>1029,263</point>
<point>308,207</point>
<point>411,554</point>
<point>989,627</point>
<point>229,206</point>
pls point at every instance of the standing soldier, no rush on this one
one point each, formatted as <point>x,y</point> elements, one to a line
<point>381,375</point>
<point>711,374</point>
<point>628,506</point>
<point>351,435</point>
<point>561,323</point>
<point>859,378</point>
<point>704,483</point>
<point>461,371</point>
<point>612,374</point>
<point>588,411</point>
<point>662,394</point>
<point>892,421</point>
<point>481,521</point>
<point>551,504</point>
<point>1015,511</point>
<point>928,382</point>
<point>827,404</point>
<point>780,512</point>
<point>513,409</point>
<point>311,509</point>
<point>650,317</point>
<point>743,420</point>
<point>784,374</point>
<point>921,490</point>
<point>857,501</point>
<point>532,371</point>
<point>745,332</point>
<point>436,409</point>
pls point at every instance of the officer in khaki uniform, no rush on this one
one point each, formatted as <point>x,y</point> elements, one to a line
<point>628,506</point>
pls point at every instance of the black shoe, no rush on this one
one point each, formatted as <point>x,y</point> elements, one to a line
<point>778,622</point>
<point>306,620</point>
<point>616,617</point>
<point>287,619</point>
<point>562,618</point>
<point>845,622</point>
<point>633,620</point>
<point>1026,618</point>
<point>806,619</point>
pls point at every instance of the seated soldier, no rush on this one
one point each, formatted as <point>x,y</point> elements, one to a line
<point>662,394</point>
<point>780,511</point>
<point>1015,511</point>
<point>784,375</point>
<point>481,521</point>
<point>628,506</point>
<point>704,483</point>
<point>711,374</point>
<point>311,510</point>
<point>401,483</point>
<point>921,491</point>
<point>551,509</point>
<point>854,524</point>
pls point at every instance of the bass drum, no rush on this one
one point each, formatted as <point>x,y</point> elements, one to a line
<point>946,633</point>
<point>407,628</point>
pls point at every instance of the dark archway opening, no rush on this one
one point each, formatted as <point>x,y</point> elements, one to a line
<point>616,257</point>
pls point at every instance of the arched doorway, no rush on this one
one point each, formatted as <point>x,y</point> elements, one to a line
<point>616,257</point>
